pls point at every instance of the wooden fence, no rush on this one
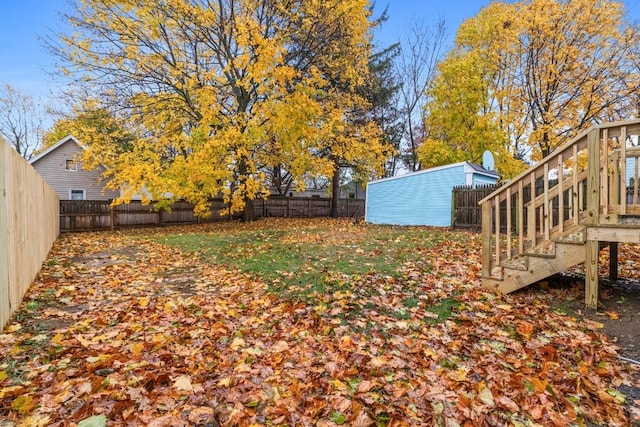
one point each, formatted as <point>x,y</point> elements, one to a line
<point>466,213</point>
<point>28,227</point>
<point>80,215</point>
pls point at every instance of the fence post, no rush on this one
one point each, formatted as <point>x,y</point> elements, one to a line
<point>288,207</point>
<point>111,216</point>
<point>453,207</point>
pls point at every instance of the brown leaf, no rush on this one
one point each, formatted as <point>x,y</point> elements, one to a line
<point>508,404</point>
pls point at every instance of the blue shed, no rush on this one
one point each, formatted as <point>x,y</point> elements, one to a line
<point>424,197</point>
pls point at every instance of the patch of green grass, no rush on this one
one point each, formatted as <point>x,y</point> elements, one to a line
<point>12,369</point>
<point>443,309</point>
<point>410,302</point>
<point>308,262</point>
<point>564,307</point>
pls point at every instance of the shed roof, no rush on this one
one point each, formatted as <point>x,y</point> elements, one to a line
<point>476,168</point>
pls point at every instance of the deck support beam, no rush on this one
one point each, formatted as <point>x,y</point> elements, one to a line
<point>591,281</point>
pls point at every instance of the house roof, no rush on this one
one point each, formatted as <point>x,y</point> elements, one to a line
<point>54,147</point>
<point>468,165</point>
<point>481,169</point>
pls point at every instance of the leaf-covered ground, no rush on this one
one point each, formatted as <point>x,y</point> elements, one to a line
<point>121,329</point>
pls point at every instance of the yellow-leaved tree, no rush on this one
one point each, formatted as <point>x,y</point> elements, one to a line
<point>525,77</point>
<point>218,92</point>
<point>97,125</point>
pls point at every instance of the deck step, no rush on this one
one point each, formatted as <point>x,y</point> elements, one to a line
<point>517,263</point>
<point>538,266</point>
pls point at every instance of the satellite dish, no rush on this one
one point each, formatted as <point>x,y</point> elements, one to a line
<point>487,161</point>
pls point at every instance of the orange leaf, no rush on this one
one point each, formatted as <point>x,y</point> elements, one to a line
<point>539,385</point>
<point>525,329</point>
<point>612,315</point>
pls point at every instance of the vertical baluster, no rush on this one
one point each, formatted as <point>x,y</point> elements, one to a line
<point>604,195</point>
<point>622,182</point>
<point>575,211</point>
<point>521,216</point>
<point>635,183</point>
<point>546,211</point>
<point>560,195</point>
<point>532,211</point>
<point>496,207</point>
<point>508,204</point>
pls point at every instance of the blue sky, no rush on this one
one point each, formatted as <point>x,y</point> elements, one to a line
<point>26,65</point>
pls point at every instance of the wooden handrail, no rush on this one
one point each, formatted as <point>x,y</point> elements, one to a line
<point>632,127</point>
<point>593,191</point>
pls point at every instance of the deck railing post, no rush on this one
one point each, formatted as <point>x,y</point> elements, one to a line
<point>487,225</point>
<point>622,182</point>
<point>593,180</point>
<point>593,217</point>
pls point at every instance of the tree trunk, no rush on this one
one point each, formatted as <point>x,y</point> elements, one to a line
<point>249,213</point>
<point>335,190</point>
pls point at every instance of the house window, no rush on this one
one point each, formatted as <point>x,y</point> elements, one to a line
<point>77,195</point>
<point>71,165</point>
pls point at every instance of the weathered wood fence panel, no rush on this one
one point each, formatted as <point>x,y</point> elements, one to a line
<point>77,215</point>
<point>28,227</point>
<point>466,212</point>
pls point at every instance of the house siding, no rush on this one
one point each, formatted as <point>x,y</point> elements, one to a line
<point>52,167</point>
<point>479,179</point>
<point>422,198</point>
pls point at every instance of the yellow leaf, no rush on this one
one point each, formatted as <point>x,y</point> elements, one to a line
<point>11,391</point>
<point>339,385</point>
<point>143,302</point>
<point>460,374</point>
<point>237,343</point>
<point>23,404</point>
<point>57,339</point>
<point>35,421</point>
<point>82,341</point>
<point>13,328</point>
<point>183,383</point>
<point>158,338</point>
<point>136,348</point>
<point>224,382</point>
<point>3,375</point>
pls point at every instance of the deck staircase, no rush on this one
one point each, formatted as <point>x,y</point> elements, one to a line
<point>563,210</point>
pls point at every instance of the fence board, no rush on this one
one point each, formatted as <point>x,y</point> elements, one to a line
<point>28,227</point>
<point>467,213</point>
<point>84,215</point>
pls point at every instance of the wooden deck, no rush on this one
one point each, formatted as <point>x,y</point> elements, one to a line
<point>563,210</point>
